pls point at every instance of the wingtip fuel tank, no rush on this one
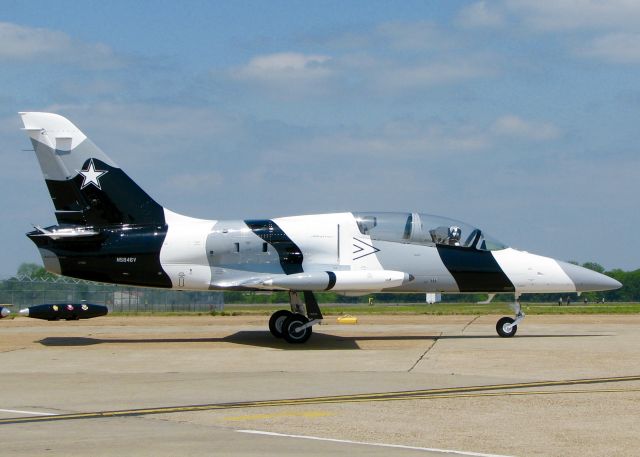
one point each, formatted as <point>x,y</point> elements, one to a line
<point>339,280</point>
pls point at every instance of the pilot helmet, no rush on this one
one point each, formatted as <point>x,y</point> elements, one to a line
<point>455,232</point>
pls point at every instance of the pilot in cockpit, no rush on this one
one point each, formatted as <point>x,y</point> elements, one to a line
<point>446,235</point>
<point>454,235</point>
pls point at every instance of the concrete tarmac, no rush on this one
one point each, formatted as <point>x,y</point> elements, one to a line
<point>226,363</point>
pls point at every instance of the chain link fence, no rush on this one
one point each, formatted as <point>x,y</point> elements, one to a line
<point>23,291</point>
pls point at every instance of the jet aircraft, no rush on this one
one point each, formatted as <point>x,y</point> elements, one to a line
<point>110,230</point>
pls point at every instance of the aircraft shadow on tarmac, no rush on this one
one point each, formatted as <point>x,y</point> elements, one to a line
<point>319,341</point>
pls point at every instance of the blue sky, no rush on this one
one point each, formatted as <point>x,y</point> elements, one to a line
<point>518,116</point>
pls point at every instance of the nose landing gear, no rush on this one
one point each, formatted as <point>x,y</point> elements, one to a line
<point>507,326</point>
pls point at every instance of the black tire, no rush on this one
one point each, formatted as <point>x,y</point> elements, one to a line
<point>290,329</point>
<point>503,331</point>
<point>276,320</point>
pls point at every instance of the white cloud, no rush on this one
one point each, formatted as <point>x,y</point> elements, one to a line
<point>395,76</point>
<point>396,35</point>
<point>92,88</point>
<point>26,42</point>
<point>609,28</point>
<point>386,143</point>
<point>148,122</point>
<point>410,36</point>
<point>284,70</point>
<point>387,59</point>
<point>401,140</point>
<point>615,47</point>
<point>20,43</point>
<point>196,182</point>
<point>517,127</point>
<point>480,14</point>
<point>577,14</point>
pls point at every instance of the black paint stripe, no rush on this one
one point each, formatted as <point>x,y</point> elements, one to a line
<point>289,253</point>
<point>474,270</point>
<point>332,280</point>
<point>131,228</point>
<point>118,200</point>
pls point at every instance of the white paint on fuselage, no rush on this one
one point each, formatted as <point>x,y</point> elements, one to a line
<point>423,262</point>
<point>322,245</point>
<point>183,254</point>
<point>333,242</point>
<point>531,273</point>
<point>326,241</point>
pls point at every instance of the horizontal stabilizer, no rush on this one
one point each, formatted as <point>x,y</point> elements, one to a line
<point>56,234</point>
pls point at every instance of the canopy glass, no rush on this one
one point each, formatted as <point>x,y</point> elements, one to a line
<point>427,229</point>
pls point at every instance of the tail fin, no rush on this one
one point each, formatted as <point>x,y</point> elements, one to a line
<point>86,186</point>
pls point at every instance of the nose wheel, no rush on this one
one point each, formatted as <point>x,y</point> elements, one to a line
<point>508,326</point>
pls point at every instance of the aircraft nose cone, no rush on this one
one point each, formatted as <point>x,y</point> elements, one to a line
<point>24,312</point>
<point>4,312</point>
<point>588,280</point>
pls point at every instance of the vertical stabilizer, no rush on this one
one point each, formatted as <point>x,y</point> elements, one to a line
<point>86,186</point>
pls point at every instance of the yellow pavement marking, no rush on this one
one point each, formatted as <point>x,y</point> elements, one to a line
<point>305,414</point>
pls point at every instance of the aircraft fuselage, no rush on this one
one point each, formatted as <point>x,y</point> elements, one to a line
<point>313,252</point>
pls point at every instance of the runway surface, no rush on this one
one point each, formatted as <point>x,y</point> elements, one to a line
<point>494,390</point>
<point>392,385</point>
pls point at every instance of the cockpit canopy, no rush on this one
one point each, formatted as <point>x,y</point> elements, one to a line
<point>427,229</point>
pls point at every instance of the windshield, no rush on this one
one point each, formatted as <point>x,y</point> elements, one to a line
<point>419,228</point>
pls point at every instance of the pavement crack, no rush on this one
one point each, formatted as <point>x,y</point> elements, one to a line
<point>470,322</point>
<point>435,340</point>
<point>12,350</point>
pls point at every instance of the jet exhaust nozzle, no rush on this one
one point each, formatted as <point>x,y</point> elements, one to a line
<point>66,311</point>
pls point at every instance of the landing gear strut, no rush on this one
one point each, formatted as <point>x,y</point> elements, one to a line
<point>295,325</point>
<point>507,326</point>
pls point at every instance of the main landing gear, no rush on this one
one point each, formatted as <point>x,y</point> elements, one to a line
<point>507,326</point>
<point>295,325</point>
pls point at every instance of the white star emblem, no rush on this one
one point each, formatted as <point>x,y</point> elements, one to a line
<point>91,175</point>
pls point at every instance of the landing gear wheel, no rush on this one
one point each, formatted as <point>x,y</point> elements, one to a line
<point>506,328</point>
<point>291,329</point>
<point>276,320</point>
